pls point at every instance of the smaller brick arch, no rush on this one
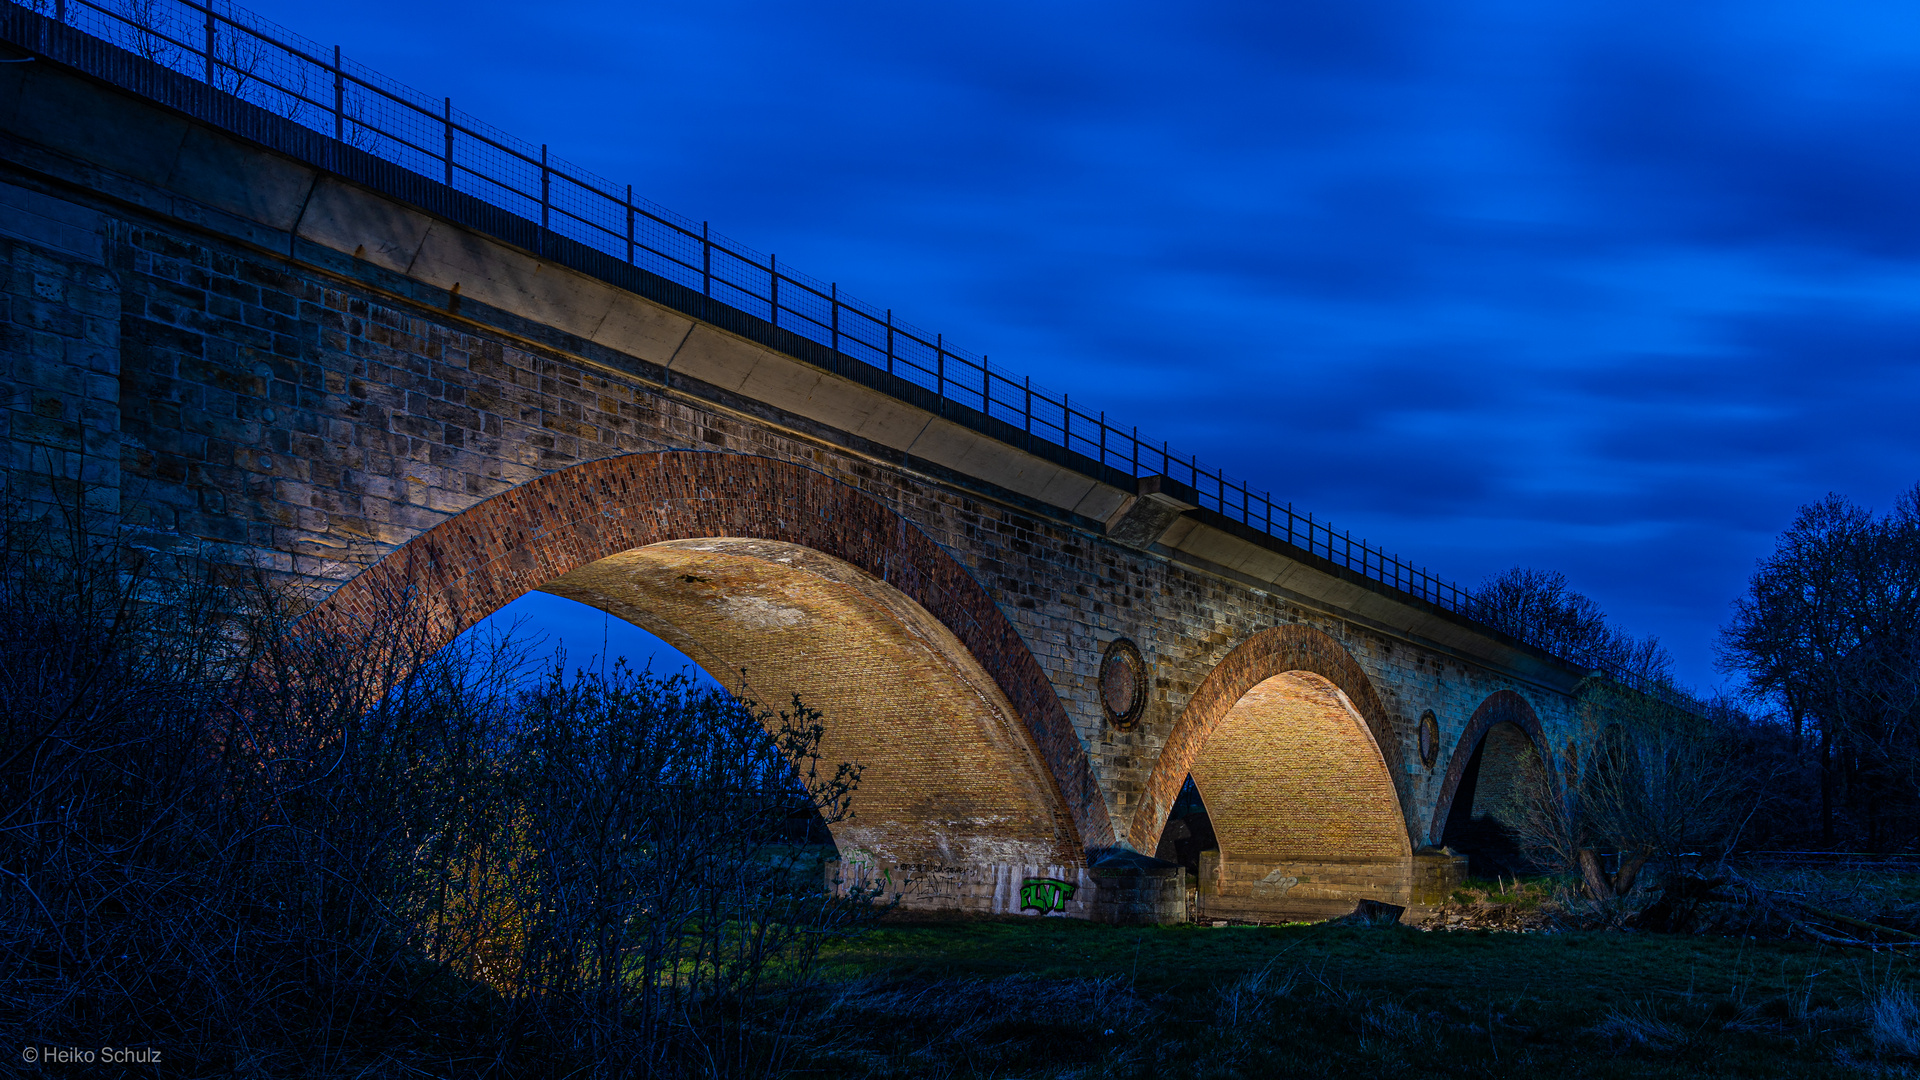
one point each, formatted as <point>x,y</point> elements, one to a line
<point>1292,661</point>
<point>1503,706</point>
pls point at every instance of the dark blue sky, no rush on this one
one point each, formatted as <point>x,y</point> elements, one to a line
<point>1606,287</point>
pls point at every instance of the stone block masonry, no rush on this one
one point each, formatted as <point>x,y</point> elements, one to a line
<point>248,357</point>
<point>60,336</point>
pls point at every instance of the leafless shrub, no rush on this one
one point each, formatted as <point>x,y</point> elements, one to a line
<point>287,848</point>
<point>659,900</point>
<point>1642,779</point>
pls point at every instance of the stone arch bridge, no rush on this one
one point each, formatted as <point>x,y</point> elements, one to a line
<point>257,358</point>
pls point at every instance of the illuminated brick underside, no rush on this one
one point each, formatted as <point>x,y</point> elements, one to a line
<point>950,778</point>
<point>1292,772</point>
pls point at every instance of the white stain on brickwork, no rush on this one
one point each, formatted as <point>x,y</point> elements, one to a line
<point>1278,881</point>
<point>759,613</point>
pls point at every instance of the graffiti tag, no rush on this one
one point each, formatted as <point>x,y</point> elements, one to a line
<point>1046,894</point>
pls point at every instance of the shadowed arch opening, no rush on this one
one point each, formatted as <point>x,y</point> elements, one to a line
<point>1482,798</point>
<point>812,587</point>
<point>1297,790</point>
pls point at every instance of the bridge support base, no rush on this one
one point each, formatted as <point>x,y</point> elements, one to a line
<point>1129,889</point>
<point>1270,889</point>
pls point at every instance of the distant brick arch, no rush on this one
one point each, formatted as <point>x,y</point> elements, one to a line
<point>475,563</point>
<point>1268,654</point>
<point>1503,706</point>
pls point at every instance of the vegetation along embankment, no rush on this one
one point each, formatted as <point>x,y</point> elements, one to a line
<point>280,849</point>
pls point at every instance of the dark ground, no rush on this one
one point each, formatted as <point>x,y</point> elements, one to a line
<point>1058,998</point>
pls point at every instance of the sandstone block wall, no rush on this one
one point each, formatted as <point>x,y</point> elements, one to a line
<point>60,340</point>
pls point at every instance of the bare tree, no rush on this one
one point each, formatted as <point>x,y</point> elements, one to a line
<point>1830,630</point>
<point>1542,609</point>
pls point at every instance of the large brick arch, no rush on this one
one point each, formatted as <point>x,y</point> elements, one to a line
<point>471,565</point>
<point>1280,667</point>
<point>1501,707</point>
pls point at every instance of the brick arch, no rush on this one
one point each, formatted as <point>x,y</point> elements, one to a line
<point>475,563</point>
<point>1257,663</point>
<point>1503,706</point>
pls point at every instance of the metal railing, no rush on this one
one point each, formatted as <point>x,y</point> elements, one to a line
<point>233,50</point>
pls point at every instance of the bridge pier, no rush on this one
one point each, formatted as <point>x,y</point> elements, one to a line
<point>1130,889</point>
<point>1124,888</point>
<point>1269,889</point>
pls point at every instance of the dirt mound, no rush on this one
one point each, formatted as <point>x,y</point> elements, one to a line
<point>1483,915</point>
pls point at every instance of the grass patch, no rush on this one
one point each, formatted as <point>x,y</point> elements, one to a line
<point>1062,998</point>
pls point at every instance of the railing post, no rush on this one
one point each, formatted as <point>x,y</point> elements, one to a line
<point>706,262</point>
<point>1029,412</point>
<point>209,10</point>
<point>773,290</point>
<point>544,175</point>
<point>940,369</point>
<point>889,341</point>
<point>1103,439</point>
<point>339,100</point>
<point>60,11</point>
<point>630,261</point>
<point>1136,451</point>
<point>447,122</point>
<point>1066,421</point>
<point>834,300</point>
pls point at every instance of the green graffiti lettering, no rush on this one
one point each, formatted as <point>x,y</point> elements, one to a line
<point>1046,894</point>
